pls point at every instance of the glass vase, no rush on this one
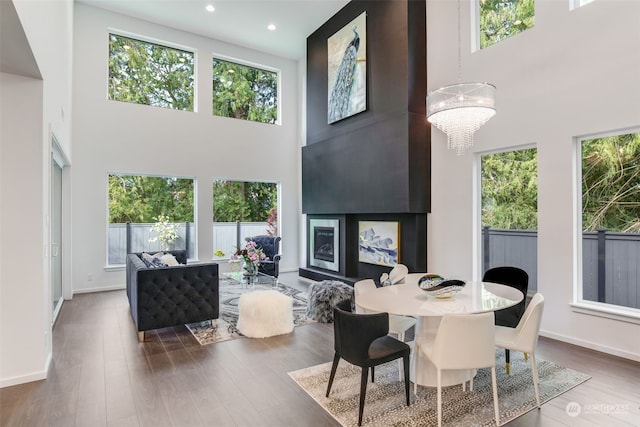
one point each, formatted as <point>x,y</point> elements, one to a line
<point>249,273</point>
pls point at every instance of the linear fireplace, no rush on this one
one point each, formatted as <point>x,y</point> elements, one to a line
<point>324,246</point>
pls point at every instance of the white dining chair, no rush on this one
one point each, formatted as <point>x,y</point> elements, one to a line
<point>463,342</point>
<point>398,325</point>
<point>524,337</point>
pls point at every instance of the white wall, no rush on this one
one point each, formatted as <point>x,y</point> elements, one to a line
<point>30,109</point>
<point>110,136</point>
<point>574,73</point>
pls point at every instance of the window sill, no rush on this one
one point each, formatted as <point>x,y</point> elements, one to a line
<point>608,311</point>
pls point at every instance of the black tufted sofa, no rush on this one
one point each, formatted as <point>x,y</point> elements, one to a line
<point>171,296</point>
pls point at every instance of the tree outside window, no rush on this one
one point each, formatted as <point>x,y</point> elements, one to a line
<point>244,92</point>
<point>150,74</point>
<point>610,217</point>
<point>242,209</point>
<point>501,19</point>
<point>509,189</point>
<point>158,210</point>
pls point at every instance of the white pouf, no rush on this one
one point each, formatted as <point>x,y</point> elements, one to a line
<point>264,314</point>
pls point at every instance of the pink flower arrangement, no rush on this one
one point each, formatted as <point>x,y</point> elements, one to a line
<point>251,254</point>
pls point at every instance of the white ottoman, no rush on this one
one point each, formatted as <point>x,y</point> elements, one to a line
<point>264,314</point>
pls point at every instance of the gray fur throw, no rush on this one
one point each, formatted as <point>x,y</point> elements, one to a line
<point>324,296</point>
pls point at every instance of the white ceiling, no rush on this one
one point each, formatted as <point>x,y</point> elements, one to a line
<point>241,22</point>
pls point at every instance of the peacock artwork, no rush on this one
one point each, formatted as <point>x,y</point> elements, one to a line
<point>347,70</point>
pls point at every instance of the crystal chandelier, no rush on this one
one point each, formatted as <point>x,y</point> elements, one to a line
<point>459,110</point>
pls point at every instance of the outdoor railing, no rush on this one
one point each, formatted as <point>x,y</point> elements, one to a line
<point>610,261</point>
<point>227,236</point>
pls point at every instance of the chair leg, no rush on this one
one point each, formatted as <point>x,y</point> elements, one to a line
<point>416,359</point>
<point>439,398</point>
<point>401,338</point>
<point>526,356</point>
<point>534,374</point>
<point>336,359</point>
<point>507,358</point>
<point>405,361</point>
<point>363,392</point>
<point>373,369</point>
<point>495,395</point>
<point>470,380</point>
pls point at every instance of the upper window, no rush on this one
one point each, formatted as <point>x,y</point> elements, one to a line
<point>611,219</point>
<point>148,214</point>
<point>244,92</point>
<point>150,74</point>
<point>501,19</point>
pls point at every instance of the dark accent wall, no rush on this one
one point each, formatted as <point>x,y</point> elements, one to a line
<point>377,161</point>
<point>375,165</point>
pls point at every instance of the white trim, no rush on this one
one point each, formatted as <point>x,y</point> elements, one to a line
<point>99,289</point>
<point>35,376</point>
<point>591,345</point>
<point>608,311</point>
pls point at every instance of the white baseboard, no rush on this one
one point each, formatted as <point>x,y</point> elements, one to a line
<point>35,376</point>
<point>591,345</point>
<point>100,289</point>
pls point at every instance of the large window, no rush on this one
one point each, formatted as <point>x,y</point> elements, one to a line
<point>509,188</point>
<point>501,19</point>
<point>610,199</point>
<point>149,213</point>
<point>242,209</point>
<point>244,92</point>
<point>150,74</point>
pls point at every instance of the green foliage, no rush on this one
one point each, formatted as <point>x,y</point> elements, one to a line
<point>243,201</point>
<point>510,190</point>
<point>501,19</point>
<point>144,199</point>
<point>611,183</point>
<point>150,74</point>
<point>244,92</point>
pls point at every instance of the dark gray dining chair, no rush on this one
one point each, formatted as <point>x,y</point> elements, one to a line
<point>363,340</point>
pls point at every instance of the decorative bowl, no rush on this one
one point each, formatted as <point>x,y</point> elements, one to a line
<point>436,286</point>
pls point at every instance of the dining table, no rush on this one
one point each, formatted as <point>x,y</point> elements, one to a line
<point>407,299</point>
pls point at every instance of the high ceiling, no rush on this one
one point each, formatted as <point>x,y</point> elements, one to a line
<point>241,22</point>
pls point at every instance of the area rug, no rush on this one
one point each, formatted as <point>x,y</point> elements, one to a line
<point>225,327</point>
<point>385,403</point>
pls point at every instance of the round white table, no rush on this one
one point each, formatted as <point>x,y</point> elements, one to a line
<point>409,300</point>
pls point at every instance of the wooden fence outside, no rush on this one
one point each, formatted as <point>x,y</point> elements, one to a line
<point>226,236</point>
<point>610,261</point>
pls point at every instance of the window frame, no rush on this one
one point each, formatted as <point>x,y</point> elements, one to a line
<point>476,30</point>
<point>193,257</point>
<point>578,304</point>
<point>255,65</point>
<point>478,252</point>
<point>163,43</point>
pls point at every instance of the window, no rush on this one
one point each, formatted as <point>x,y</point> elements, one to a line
<point>244,92</point>
<point>574,4</point>
<point>610,217</point>
<point>509,211</point>
<point>159,211</point>
<point>150,74</point>
<point>242,209</point>
<point>501,19</point>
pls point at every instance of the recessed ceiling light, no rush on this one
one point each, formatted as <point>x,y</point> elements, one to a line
<point>210,8</point>
<point>271,27</point>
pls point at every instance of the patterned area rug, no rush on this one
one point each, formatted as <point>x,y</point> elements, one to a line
<point>386,406</point>
<point>230,291</point>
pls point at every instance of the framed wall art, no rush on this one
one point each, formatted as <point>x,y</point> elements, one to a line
<point>379,242</point>
<point>347,70</point>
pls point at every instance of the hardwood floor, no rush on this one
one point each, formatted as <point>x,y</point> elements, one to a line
<point>102,376</point>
